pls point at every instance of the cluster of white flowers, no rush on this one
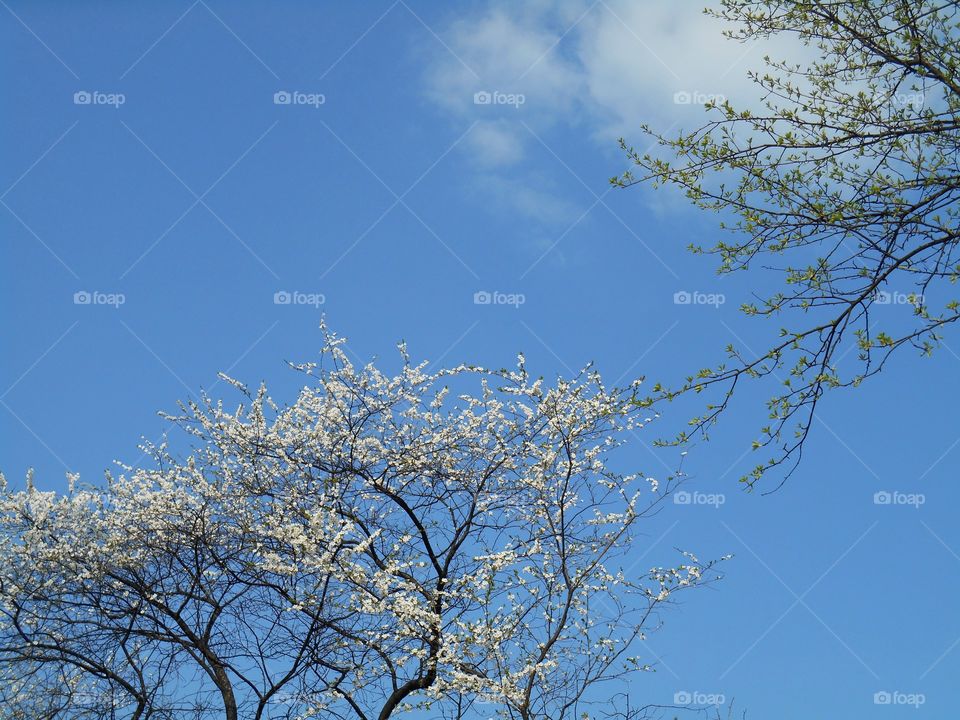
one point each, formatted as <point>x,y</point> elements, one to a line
<point>385,542</point>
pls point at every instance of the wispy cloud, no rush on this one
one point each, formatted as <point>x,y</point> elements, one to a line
<point>496,143</point>
<point>598,67</point>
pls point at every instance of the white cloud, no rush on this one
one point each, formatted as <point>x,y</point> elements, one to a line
<point>602,67</point>
<point>614,64</point>
<point>531,194</point>
<point>636,58</point>
<point>495,143</point>
<point>507,49</point>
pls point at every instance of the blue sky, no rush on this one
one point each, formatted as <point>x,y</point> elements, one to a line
<point>385,195</point>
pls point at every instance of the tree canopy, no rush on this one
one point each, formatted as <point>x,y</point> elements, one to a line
<point>444,539</point>
<point>845,182</point>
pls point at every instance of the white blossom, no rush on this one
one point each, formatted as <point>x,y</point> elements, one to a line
<point>381,544</point>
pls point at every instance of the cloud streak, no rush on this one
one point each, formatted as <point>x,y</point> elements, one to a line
<point>600,69</point>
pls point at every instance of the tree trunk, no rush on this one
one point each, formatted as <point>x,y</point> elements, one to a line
<point>226,692</point>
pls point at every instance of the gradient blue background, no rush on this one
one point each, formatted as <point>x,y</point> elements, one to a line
<point>830,598</point>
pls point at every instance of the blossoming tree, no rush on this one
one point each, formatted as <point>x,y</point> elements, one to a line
<point>454,541</point>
